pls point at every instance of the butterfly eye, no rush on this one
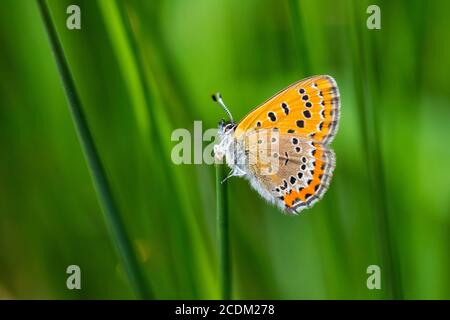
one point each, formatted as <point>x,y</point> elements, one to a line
<point>229,127</point>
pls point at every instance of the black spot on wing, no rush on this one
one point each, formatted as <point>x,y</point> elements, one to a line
<point>272,116</point>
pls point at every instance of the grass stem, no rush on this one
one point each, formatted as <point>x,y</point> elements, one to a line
<point>301,51</point>
<point>363,71</point>
<point>223,239</point>
<point>115,225</point>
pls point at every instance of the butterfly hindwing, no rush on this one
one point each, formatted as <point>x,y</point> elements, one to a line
<point>288,169</point>
<point>308,108</point>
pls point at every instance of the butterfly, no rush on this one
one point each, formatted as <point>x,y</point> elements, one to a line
<point>283,146</point>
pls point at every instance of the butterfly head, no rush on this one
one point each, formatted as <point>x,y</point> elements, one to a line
<point>226,130</point>
<point>226,127</point>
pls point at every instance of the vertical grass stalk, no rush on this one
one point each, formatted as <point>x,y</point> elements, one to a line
<point>363,73</point>
<point>223,239</point>
<point>115,225</point>
<point>150,53</point>
<point>301,51</point>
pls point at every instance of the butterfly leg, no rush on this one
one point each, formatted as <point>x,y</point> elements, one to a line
<point>235,172</point>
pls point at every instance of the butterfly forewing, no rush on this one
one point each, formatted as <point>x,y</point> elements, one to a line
<point>309,108</point>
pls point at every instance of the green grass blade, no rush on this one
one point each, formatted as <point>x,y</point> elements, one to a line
<point>198,266</point>
<point>363,71</point>
<point>102,186</point>
<point>223,239</point>
<point>303,59</point>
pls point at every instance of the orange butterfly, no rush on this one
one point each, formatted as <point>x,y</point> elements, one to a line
<point>282,146</point>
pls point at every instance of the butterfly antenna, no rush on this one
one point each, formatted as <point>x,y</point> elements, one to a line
<point>217,97</point>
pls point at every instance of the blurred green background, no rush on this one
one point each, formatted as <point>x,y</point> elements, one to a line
<point>145,68</point>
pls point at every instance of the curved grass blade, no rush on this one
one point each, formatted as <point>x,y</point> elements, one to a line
<point>102,186</point>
